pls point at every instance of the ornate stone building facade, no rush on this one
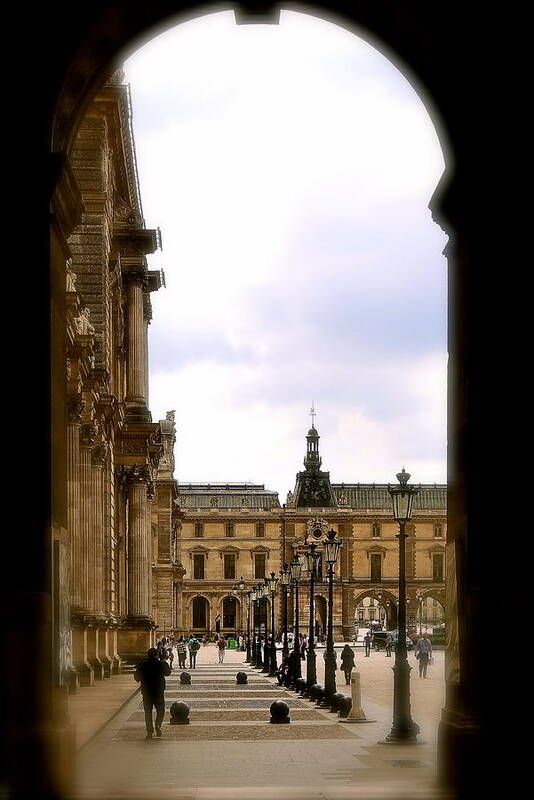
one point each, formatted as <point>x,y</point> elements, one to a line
<point>113,447</point>
<point>220,533</point>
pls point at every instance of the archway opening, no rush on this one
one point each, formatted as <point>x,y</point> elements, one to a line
<point>200,615</point>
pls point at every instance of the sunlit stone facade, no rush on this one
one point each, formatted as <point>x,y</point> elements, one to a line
<point>218,533</point>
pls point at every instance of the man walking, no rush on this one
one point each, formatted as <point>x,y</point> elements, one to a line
<point>193,645</point>
<point>151,674</point>
<point>389,644</point>
<point>221,644</point>
<point>367,643</point>
<point>423,652</point>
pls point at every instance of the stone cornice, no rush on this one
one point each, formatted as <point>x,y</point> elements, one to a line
<point>67,204</point>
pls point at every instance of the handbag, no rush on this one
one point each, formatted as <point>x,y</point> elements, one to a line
<point>431,660</point>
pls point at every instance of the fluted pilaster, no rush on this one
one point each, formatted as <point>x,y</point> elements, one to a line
<point>86,591</point>
<point>139,544</point>
<point>74,410</point>
<point>136,350</point>
<point>96,551</point>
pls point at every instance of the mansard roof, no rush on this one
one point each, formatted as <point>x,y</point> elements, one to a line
<point>375,496</point>
<point>226,496</point>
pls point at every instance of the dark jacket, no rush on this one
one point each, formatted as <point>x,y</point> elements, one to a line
<point>347,659</point>
<point>151,673</point>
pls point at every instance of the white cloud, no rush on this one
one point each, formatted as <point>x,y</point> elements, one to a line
<point>289,168</point>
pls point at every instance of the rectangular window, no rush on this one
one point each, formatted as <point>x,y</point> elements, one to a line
<point>437,567</point>
<point>259,565</point>
<point>229,529</point>
<point>438,531</point>
<point>376,530</point>
<point>198,566</point>
<point>260,528</point>
<point>376,567</point>
<point>199,529</point>
<point>229,566</point>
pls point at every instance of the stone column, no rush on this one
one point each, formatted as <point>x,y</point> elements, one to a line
<point>81,557</point>
<point>74,411</point>
<point>135,635</point>
<point>136,367</point>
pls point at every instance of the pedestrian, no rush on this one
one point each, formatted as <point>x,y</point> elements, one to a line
<point>423,652</point>
<point>151,675</point>
<point>193,646</point>
<point>303,648</point>
<point>389,644</point>
<point>347,662</point>
<point>170,653</point>
<point>221,644</point>
<point>282,673</point>
<point>367,643</point>
<point>181,648</point>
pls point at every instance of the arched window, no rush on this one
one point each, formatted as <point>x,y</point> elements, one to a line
<point>200,612</point>
<point>229,612</point>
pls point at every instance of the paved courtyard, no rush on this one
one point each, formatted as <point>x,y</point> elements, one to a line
<point>230,750</point>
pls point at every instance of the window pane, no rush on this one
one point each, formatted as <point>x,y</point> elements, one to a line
<point>198,566</point>
<point>229,566</point>
<point>376,566</point>
<point>259,565</point>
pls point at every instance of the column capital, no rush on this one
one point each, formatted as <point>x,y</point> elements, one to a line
<point>99,454</point>
<point>88,434</point>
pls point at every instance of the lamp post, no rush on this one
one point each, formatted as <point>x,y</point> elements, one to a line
<point>272,583</point>
<point>332,546</point>
<point>266,649</point>
<point>404,729</point>
<point>296,569</point>
<point>285,577</point>
<point>248,600</point>
<point>259,597</point>
<point>310,565</point>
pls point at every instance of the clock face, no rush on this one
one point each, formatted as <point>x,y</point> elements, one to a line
<point>317,533</point>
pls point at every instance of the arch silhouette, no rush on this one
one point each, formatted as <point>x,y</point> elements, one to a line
<point>81,55</point>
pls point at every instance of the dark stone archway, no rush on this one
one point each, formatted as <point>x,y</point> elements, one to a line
<point>433,44</point>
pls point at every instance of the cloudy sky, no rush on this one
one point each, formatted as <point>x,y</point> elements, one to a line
<point>290,168</point>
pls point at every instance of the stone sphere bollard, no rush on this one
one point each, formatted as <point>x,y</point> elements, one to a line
<point>179,713</point>
<point>344,705</point>
<point>319,695</point>
<point>314,691</point>
<point>185,679</point>
<point>335,701</point>
<point>300,685</point>
<point>279,713</point>
<point>241,677</point>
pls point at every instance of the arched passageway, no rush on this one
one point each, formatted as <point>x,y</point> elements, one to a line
<point>81,56</point>
<point>200,615</point>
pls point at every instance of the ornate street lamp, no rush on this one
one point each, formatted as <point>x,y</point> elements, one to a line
<point>253,597</point>
<point>259,654</point>
<point>296,569</point>
<point>248,600</point>
<point>285,577</point>
<point>272,583</point>
<point>332,546</point>
<point>266,647</point>
<point>310,566</point>
<point>404,729</point>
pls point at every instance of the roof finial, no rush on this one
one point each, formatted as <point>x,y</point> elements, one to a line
<point>313,414</point>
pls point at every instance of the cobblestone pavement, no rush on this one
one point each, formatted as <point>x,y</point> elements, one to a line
<point>229,750</point>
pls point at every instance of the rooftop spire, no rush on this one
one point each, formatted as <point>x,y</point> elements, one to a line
<point>313,414</point>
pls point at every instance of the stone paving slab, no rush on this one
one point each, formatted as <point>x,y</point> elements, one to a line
<point>238,714</point>
<point>198,733</point>
<point>238,702</point>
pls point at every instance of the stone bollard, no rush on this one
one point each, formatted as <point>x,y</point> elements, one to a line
<point>179,713</point>
<point>279,713</point>
<point>344,705</point>
<point>335,700</point>
<point>356,713</point>
<point>241,678</point>
<point>185,679</point>
<point>300,685</point>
